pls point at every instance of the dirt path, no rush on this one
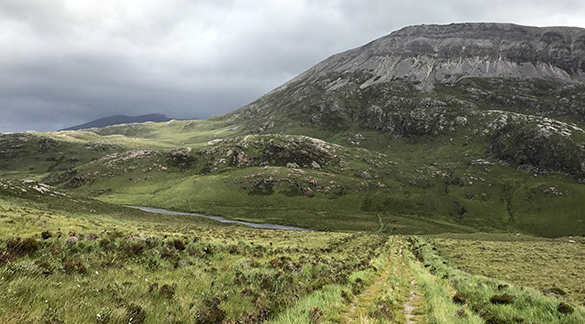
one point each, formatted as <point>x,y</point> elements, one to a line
<point>381,223</point>
<point>408,305</point>
<point>357,310</point>
<point>388,283</point>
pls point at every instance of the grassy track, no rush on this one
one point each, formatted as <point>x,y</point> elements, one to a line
<point>381,300</point>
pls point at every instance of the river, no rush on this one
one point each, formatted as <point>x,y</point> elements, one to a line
<point>221,219</point>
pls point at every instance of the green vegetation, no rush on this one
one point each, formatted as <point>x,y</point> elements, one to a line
<point>118,265</point>
<point>272,178</point>
<point>496,301</point>
<point>60,269</point>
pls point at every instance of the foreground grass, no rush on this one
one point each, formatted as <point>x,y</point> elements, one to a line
<point>92,272</point>
<point>91,262</point>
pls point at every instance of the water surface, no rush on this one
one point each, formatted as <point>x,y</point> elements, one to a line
<point>221,219</point>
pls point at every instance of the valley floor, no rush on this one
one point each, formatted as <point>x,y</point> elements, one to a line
<point>59,267</point>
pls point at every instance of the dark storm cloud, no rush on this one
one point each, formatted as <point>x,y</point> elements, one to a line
<point>64,62</point>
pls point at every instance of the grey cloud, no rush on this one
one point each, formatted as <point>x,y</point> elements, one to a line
<point>65,62</point>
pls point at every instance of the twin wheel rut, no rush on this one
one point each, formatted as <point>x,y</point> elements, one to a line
<point>394,296</point>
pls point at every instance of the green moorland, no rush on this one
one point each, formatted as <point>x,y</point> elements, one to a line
<point>68,259</point>
<point>489,155</point>
<point>197,166</point>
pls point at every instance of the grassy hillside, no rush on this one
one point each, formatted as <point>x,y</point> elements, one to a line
<point>404,185</point>
<point>491,155</point>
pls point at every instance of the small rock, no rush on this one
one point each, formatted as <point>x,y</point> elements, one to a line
<point>363,174</point>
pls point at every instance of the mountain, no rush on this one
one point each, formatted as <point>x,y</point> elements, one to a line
<point>120,119</point>
<point>499,84</point>
<point>442,128</point>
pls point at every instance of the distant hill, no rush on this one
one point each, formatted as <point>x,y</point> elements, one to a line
<point>120,119</point>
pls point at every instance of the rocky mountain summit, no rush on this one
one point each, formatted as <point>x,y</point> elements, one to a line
<point>434,53</point>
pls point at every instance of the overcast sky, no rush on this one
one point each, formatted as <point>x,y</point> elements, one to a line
<point>66,62</point>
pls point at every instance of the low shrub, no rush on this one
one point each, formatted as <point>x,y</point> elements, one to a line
<point>132,247</point>
<point>135,314</point>
<point>71,266</point>
<point>167,291</point>
<point>233,249</point>
<point>178,244</point>
<point>565,308</point>
<point>460,298</point>
<point>26,246</point>
<point>166,253</point>
<point>210,312</point>
<point>504,299</point>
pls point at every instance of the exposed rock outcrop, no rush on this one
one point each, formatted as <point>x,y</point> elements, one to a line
<point>447,53</point>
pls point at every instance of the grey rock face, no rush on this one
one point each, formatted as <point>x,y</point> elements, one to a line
<point>446,53</point>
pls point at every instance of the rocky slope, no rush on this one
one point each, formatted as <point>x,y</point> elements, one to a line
<point>517,91</point>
